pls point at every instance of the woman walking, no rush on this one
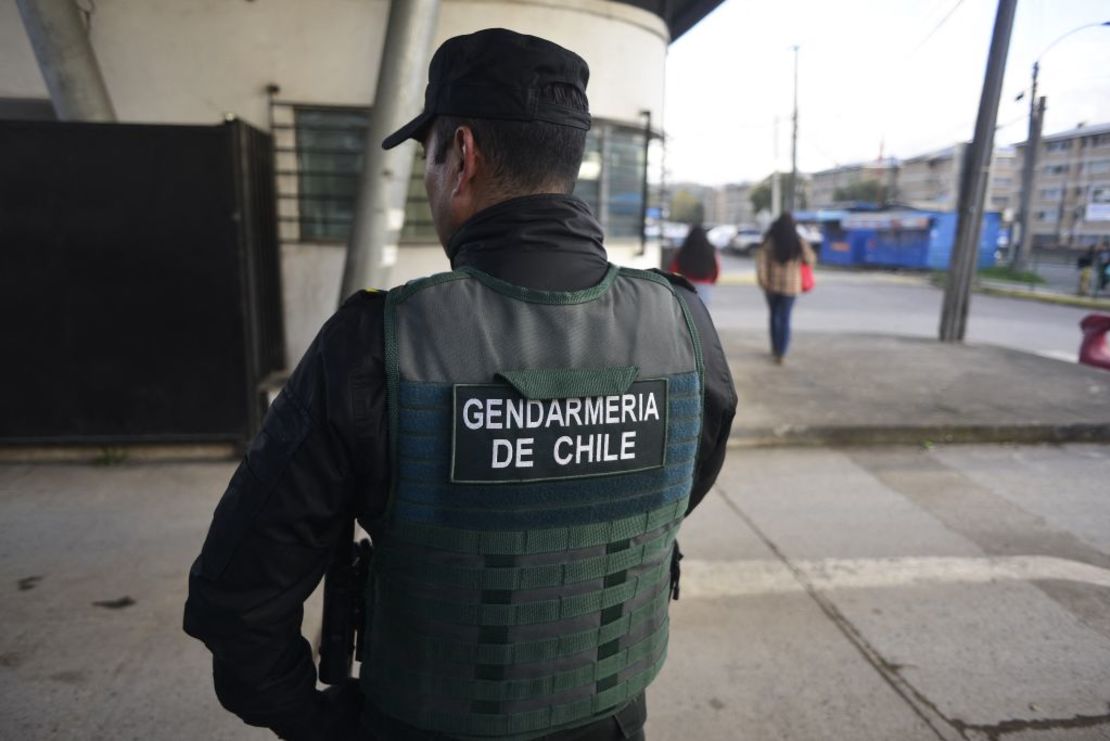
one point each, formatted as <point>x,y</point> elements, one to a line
<point>778,268</point>
<point>697,262</point>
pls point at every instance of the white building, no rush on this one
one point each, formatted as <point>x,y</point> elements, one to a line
<point>306,72</point>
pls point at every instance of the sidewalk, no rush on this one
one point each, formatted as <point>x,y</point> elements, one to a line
<point>838,389</point>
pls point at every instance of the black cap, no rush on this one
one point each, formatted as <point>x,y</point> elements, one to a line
<point>498,74</point>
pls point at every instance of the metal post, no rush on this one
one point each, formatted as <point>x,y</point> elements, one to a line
<point>1028,173</point>
<point>644,189</point>
<point>67,60</point>
<point>792,191</point>
<point>776,182</point>
<point>383,185</point>
<point>973,183</point>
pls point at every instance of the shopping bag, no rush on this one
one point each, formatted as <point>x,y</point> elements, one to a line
<point>807,278</point>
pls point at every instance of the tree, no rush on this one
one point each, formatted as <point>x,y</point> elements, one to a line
<point>868,191</point>
<point>760,196</point>
<point>687,207</point>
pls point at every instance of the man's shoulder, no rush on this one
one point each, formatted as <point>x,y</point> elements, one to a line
<point>673,278</point>
<point>359,320</point>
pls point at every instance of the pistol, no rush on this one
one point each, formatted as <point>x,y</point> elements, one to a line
<point>344,607</point>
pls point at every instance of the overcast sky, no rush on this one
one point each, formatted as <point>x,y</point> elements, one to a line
<point>903,75</point>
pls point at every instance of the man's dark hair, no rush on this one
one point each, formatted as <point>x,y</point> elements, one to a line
<point>525,157</point>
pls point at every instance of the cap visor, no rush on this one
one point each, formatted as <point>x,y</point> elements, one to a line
<point>408,131</point>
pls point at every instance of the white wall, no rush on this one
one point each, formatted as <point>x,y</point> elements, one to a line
<point>192,61</point>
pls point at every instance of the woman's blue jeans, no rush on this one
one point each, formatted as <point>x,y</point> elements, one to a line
<point>780,306</point>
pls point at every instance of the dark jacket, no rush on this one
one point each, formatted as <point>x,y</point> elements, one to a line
<point>322,458</point>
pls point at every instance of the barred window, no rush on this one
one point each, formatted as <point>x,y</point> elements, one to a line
<point>611,178</point>
<point>329,145</point>
<point>329,142</point>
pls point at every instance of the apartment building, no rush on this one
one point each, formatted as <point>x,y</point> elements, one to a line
<point>825,184</point>
<point>1070,203</point>
<point>931,181</point>
<point>730,204</point>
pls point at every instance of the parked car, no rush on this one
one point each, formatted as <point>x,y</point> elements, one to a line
<point>745,240</point>
<point>721,236</point>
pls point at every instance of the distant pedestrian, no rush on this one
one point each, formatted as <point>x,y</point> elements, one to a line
<point>1102,265</point>
<point>778,267</point>
<point>697,262</point>
<point>1086,265</point>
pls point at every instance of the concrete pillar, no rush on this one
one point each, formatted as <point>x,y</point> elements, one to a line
<point>383,185</point>
<point>67,60</point>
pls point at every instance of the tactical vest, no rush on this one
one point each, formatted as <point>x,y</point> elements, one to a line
<point>543,451</point>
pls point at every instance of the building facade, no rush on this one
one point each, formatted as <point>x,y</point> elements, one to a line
<point>306,73</point>
<point>730,204</point>
<point>1070,199</point>
<point>825,184</point>
<point>931,181</point>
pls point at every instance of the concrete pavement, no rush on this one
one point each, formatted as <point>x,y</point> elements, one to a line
<point>954,592</point>
<point>863,593</point>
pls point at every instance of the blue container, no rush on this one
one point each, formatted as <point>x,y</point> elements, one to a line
<point>943,239</point>
<point>919,240</point>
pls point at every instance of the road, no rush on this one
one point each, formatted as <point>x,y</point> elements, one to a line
<point>890,303</point>
<point>960,592</point>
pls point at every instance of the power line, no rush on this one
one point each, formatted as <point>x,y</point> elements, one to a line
<point>935,29</point>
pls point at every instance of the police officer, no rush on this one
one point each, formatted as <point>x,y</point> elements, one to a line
<point>521,437</point>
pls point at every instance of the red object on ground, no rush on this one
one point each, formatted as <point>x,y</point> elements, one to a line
<point>1094,350</point>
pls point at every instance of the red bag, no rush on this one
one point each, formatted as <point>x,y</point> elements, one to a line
<point>808,281</point>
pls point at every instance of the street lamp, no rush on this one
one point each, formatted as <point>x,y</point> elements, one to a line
<point>1036,119</point>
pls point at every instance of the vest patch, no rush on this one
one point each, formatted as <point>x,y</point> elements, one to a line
<point>500,436</point>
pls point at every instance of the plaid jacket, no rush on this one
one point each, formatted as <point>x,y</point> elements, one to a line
<point>778,277</point>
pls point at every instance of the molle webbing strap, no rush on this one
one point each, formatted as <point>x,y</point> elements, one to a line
<point>649,647</point>
<point>399,563</point>
<point>545,540</point>
<point>529,652</point>
<point>526,724</point>
<point>529,613</point>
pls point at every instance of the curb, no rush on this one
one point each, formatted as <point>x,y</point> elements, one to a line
<point>1046,298</point>
<point>112,455</point>
<point>804,436</point>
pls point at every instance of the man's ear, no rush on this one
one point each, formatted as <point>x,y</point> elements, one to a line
<point>467,162</point>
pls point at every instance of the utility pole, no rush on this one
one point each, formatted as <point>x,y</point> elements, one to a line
<point>383,184</point>
<point>776,179</point>
<point>792,192</point>
<point>1028,174</point>
<point>66,60</point>
<point>973,183</point>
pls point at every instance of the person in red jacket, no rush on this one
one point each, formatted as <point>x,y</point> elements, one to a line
<point>697,262</point>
